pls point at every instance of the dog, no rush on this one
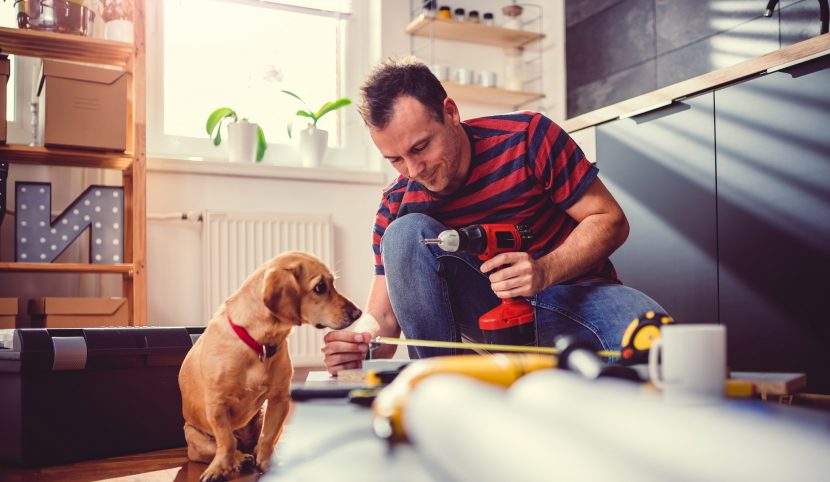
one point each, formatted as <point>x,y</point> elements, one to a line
<point>235,380</point>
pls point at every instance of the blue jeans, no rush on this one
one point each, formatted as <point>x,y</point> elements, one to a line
<point>439,296</point>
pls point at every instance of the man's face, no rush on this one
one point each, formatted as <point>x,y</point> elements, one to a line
<point>423,149</point>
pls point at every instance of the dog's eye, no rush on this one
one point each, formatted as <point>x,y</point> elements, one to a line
<point>321,288</point>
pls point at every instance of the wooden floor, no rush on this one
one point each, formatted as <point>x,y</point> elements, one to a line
<point>161,466</point>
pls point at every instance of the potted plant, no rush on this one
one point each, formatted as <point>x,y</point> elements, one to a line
<point>246,141</point>
<point>118,18</point>
<point>313,141</point>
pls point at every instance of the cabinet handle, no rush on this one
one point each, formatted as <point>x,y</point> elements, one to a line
<point>798,61</point>
<point>650,108</point>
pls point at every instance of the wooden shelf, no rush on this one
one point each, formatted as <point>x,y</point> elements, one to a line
<point>490,95</point>
<point>65,157</point>
<point>34,43</point>
<point>65,268</point>
<point>478,33</point>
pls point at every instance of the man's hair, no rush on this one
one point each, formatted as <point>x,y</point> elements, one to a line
<point>394,78</point>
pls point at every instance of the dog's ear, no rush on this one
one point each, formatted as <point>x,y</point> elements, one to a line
<point>281,292</point>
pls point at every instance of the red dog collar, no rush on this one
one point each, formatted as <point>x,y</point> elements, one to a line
<point>263,351</point>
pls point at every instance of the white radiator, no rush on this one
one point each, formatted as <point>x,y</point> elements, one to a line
<point>236,244</point>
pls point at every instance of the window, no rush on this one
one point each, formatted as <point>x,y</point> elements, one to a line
<point>205,54</point>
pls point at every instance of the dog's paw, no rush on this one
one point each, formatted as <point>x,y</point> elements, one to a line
<point>247,464</point>
<point>216,474</point>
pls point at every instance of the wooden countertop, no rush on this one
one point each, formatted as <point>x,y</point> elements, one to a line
<point>814,47</point>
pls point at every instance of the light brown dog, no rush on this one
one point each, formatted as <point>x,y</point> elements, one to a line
<point>225,380</point>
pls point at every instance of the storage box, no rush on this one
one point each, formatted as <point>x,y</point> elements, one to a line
<point>75,394</point>
<point>8,312</point>
<point>5,68</point>
<point>78,312</point>
<point>84,106</point>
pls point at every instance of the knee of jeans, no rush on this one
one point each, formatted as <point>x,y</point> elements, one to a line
<point>404,235</point>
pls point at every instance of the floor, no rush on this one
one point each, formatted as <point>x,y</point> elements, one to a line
<point>160,466</point>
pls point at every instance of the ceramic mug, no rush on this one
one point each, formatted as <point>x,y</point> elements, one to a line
<point>464,76</point>
<point>487,79</point>
<point>442,72</point>
<point>688,363</point>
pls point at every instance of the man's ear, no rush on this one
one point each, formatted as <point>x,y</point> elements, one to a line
<point>281,293</point>
<point>451,111</point>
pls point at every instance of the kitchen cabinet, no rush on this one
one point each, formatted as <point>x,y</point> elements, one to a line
<point>131,162</point>
<point>660,166</point>
<point>433,28</point>
<point>773,175</point>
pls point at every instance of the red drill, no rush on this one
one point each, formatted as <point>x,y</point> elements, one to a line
<point>510,323</point>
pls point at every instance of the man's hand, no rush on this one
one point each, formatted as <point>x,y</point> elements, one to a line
<point>345,349</point>
<point>521,276</point>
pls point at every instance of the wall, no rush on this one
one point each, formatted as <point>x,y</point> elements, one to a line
<point>621,49</point>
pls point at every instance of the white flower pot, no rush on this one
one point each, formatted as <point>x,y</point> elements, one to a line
<point>119,30</point>
<point>242,141</point>
<point>313,144</point>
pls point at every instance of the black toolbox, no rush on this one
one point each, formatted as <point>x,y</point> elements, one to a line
<point>72,394</point>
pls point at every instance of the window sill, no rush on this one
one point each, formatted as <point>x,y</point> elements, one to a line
<point>267,171</point>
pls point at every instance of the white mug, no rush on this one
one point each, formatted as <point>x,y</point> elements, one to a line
<point>442,72</point>
<point>692,367</point>
<point>464,76</point>
<point>487,79</point>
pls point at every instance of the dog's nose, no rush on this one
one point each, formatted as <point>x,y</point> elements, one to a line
<point>355,313</point>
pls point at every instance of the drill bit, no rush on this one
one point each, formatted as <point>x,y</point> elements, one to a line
<point>431,241</point>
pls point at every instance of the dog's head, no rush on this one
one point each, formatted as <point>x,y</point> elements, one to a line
<point>298,286</point>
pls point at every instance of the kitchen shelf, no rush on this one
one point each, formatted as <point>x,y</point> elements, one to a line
<point>477,33</point>
<point>66,268</point>
<point>489,95</point>
<point>34,43</point>
<point>65,157</point>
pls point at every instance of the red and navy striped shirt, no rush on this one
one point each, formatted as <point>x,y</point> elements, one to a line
<point>524,170</point>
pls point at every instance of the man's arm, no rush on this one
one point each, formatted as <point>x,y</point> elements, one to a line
<point>601,230</point>
<point>347,348</point>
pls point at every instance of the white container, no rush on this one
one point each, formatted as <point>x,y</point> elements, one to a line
<point>242,141</point>
<point>464,76</point>
<point>513,68</point>
<point>313,145</point>
<point>119,30</point>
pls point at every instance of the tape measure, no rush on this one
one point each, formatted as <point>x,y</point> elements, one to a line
<point>640,335</point>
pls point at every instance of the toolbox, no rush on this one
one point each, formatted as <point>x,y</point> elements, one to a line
<point>75,394</point>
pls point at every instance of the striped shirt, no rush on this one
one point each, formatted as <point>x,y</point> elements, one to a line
<point>524,170</point>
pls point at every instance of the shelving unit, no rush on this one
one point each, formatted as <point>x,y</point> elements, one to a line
<point>477,33</point>
<point>131,163</point>
<point>434,28</point>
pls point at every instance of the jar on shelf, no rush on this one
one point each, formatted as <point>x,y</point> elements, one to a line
<point>473,17</point>
<point>514,16</point>
<point>444,12</point>
<point>488,19</point>
<point>459,14</point>
<point>513,68</point>
<point>429,7</point>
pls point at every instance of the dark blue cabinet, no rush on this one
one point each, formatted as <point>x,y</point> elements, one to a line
<point>660,167</point>
<point>773,176</point>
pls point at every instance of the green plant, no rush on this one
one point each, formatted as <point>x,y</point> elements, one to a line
<point>315,116</point>
<point>214,129</point>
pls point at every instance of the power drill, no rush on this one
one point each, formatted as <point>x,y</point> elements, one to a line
<point>510,323</point>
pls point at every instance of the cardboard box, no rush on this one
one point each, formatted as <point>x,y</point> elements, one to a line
<point>8,312</point>
<point>84,106</point>
<point>5,68</point>
<point>78,312</point>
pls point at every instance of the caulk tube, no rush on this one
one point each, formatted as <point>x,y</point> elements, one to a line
<point>467,431</point>
<point>733,441</point>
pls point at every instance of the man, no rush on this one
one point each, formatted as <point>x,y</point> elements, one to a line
<point>517,168</point>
